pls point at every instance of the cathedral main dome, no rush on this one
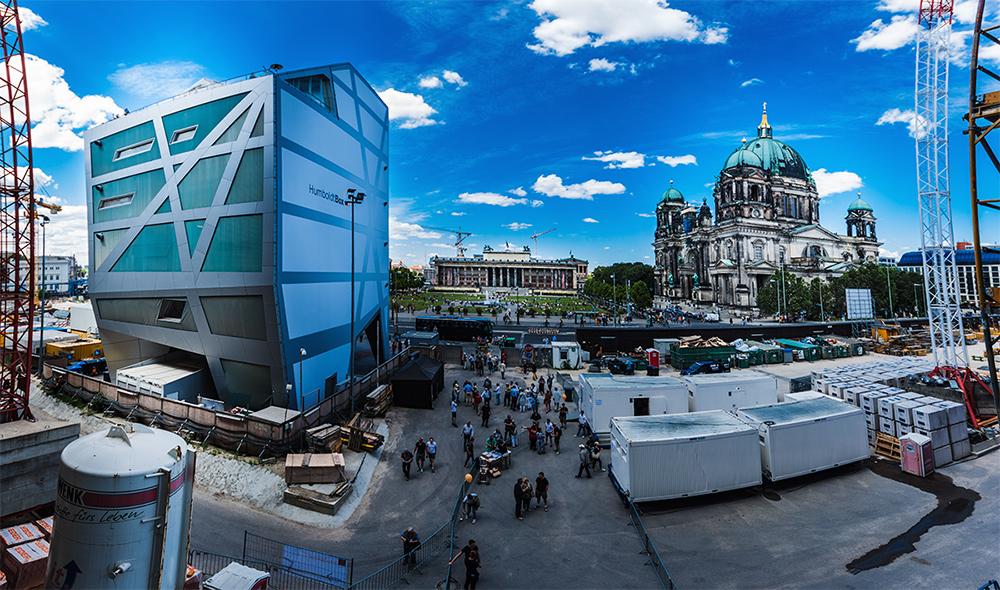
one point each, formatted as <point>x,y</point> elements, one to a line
<point>769,154</point>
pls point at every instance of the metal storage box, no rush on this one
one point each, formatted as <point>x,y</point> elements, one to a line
<point>904,411</point>
<point>604,396</point>
<point>961,449</point>
<point>664,457</point>
<point>955,410</point>
<point>730,391</point>
<point>887,425</point>
<point>886,406</point>
<point>869,401</point>
<point>806,436</point>
<point>930,417</point>
<point>938,436</point>
<point>942,456</point>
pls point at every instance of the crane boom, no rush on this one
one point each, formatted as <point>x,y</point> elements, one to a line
<point>535,237</point>
<point>459,237</point>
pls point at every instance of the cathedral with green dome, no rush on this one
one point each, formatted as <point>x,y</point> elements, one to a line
<point>766,219</point>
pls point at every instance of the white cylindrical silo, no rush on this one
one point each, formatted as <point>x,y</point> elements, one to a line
<point>123,511</point>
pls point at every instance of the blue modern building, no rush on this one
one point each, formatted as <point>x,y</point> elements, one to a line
<point>221,232</point>
<point>965,266</point>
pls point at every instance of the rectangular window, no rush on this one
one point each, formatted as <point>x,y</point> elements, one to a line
<point>133,150</point>
<point>171,310</point>
<point>758,252</point>
<point>112,202</point>
<point>185,134</point>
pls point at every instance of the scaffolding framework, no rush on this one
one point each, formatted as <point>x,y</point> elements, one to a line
<point>933,189</point>
<point>17,228</point>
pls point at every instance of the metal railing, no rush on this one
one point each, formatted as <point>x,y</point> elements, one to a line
<point>652,556</point>
<point>280,578</point>
<point>328,570</point>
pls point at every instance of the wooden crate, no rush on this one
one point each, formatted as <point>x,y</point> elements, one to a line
<point>314,468</point>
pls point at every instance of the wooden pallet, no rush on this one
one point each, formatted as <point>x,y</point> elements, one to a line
<point>887,446</point>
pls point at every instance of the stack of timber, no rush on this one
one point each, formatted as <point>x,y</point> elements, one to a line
<point>324,438</point>
<point>699,342</point>
<point>314,468</point>
<point>378,400</point>
<point>360,435</point>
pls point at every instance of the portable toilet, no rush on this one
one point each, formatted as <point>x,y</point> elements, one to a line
<point>916,454</point>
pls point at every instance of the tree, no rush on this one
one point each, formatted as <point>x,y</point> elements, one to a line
<point>784,293</point>
<point>404,279</point>
<point>601,285</point>
<point>641,297</point>
<point>907,290</point>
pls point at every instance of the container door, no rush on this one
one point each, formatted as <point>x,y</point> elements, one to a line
<point>640,406</point>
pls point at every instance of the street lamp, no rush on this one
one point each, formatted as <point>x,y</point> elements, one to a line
<point>614,297</point>
<point>916,299</point>
<point>628,299</point>
<point>822,316</point>
<point>353,198</point>
<point>888,285</point>
<point>302,371</point>
<point>43,221</point>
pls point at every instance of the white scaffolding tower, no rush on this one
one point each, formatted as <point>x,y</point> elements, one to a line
<point>937,235</point>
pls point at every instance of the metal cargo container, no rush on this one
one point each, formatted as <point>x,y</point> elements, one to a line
<point>604,396</point>
<point>807,436</point>
<point>730,391</point>
<point>664,457</point>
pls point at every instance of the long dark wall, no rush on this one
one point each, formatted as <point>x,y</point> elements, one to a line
<point>629,338</point>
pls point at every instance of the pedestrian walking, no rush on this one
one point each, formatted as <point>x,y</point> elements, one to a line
<point>556,435</point>
<point>476,399</point>
<point>454,413</point>
<point>472,564</point>
<point>518,502</point>
<point>595,458</point>
<point>496,394</point>
<point>526,494</point>
<point>455,390</point>
<point>470,504</point>
<point>432,451</point>
<point>470,455</point>
<point>411,541</point>
<point>548,401</point>
<point>407,460</point>
<point>584,462</point>
<point>503,367</point>
<point>420,450</point>
<point>510,429</point>
<point>583,428</point>
<point>549,426</point>
<point>486,411</point>
<point>563,413</point>
<point>467,431</point>
<point>541,491</point>
<point>532,437</point>
<point>540,441</point>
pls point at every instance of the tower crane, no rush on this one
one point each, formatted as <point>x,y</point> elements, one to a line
<point>535,237</point>
<point>459,238</point>
<point>933,190</point>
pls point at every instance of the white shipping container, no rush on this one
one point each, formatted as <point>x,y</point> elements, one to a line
<point>807,436</point>
<point>604,396</point>
<point>942,456</point>
<point>730,391</point>
<point>930,417</point>
<point>664,457</point>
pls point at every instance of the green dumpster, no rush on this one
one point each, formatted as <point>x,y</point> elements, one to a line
<point>743,361</point>
<point>809,352</point>
<point>770,354</point>
<point>682,358</point>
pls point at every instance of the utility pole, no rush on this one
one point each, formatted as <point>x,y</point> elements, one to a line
<point>888,284</point>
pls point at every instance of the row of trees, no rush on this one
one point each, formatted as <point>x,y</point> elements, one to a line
<point>603,286</point>
<point>404,279</point>
<point>787,294</point>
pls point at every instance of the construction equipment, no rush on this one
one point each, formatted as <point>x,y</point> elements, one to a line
<point>459,238</point>
<point>535,237</point>
<point>17,228</point>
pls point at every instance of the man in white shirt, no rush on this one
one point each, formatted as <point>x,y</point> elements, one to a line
<point>583,428</point>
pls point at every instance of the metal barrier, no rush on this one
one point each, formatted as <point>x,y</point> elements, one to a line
<point>330,570</point>
<point>280,578</point>
<point>653,557</point>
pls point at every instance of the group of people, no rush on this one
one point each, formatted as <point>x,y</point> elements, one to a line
<point>524,492</point>
<point>485,363</point>
<point>422,452</point>
<point>590,456</point>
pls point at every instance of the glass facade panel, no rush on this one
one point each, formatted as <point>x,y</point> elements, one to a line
<point>105,242</point>
<point>249,385</point>
<point>102,151</point>
<point>240,317</point>
<point>153,250</point>
<point>205,116</point>
<point>145,311</point>
<point>248,183</point>
<point>318,88</point>
<point>164,208</point>
<point>237,245</point>
<point>193,229</point>
<point>143,187</point>
<point>199,186</point>
<point>230,134</point>
<point>258,127</point>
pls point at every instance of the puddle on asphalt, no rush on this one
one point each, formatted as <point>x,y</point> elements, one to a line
<point>954,504</point>
<point>771,495</point>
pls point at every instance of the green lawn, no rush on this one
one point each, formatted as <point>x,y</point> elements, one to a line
<point>556,306</point>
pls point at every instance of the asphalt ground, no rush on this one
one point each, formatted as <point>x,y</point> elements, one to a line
<point>804,533</point>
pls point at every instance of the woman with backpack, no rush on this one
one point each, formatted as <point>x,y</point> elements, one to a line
<point>469,506</point>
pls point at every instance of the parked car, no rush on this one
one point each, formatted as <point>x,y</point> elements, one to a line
<point>704,367</point>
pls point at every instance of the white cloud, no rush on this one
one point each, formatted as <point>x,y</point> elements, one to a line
<point>56,111</point>
<point>833,183</point>
<point>678,160</point>
<point>43,179</point>
<point>454,78</point>
<point>751,82</point>
<point>902,30</point>
<point>401,230</point>
<point>458,213</point>
<point>409,108</point>
<point>66,233</point>
<point>568,25</point>
<point>897,116</point>
<point>607,247</point>
<point>157,80</point>
<point>430,82</point>
<point>517,226</point>
<point>590,220</point>
<point>518,191</point>
<point>537,203</point>
<point>620,159</point>
<point>964,11</point>
<point>552,186</point>
<point>891,254</point>
<point>490,199</point>
<point>645,215</point>
<point>735,63</point>
<point>603,65</point>
<point>438,245</point>
<point>29,19</point>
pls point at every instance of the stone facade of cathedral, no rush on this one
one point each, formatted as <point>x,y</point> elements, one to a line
<point>767,219</point>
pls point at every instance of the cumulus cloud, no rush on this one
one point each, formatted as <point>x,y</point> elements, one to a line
<point>900,31</point>
<point>401,230</point>
<point>620,159</point>
<point>458,213</point>
<point>590,220</point>
<point>56,111</point>
<point>678,160</point>
<point>490,199</point>
<point>67,233</point>
<point>517,226</point>
<point>751,82</point>
<point>454,78</point>
<point>430,82</point>
<point>897,116</point>
<point>157,80</point>
<point>43,179</point>
<point>408,108</point>
<point>518,191</point>
<point>645,215</point>
<point>833,183</point>
<point>889,253</point>
<point>29,19</point>
<point>568,25</point>
<point>603,65</point>
<point>537,203</point>
<point>552,186</point>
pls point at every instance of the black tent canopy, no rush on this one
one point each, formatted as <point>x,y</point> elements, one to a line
<point>417,383</point>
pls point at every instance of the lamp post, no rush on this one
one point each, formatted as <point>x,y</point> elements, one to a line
<point>288,395</point>
<point>43,221</point>
<point>628,299</point>
<point>614,297</point>
<point>302,371</point>
<point>822,315</point>
<point>888,285</point>
<point>916,299</point>
<point>353,198</point>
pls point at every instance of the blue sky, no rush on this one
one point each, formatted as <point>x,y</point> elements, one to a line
<point>515,117</point>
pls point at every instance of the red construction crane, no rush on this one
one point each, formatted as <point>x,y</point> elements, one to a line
<point>535,237</point>
<point>17,227</point>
